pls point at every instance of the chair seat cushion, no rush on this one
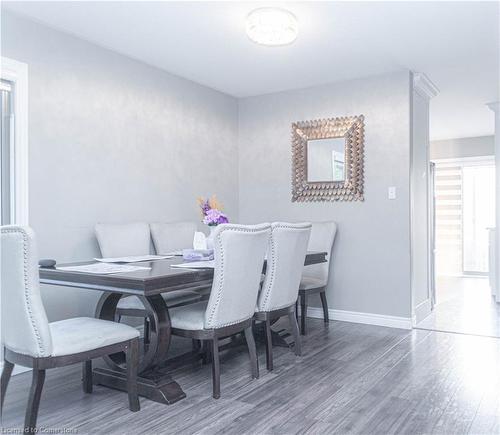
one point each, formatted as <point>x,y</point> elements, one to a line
<point>307,283</point>
<point>189,317</point>
<point>171,299</point>
<point>86,333</point>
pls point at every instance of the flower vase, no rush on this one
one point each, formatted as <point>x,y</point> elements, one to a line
<point>210,237</point>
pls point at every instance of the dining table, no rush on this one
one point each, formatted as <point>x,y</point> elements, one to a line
<point>148,283</point>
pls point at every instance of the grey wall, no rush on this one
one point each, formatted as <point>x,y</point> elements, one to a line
<point>463,147</point>
<point>112,139</point>
<point>371,259</point>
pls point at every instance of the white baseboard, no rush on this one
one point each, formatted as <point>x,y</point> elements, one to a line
<point>421,311</point>
<point>366,318</point>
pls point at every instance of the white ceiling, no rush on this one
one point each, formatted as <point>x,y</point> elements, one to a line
<point>454,43</point>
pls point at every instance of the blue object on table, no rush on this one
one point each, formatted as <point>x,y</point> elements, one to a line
<point>48,262</point>
<point>197,254</point>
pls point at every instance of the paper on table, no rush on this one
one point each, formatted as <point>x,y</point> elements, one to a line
<point>102,268</point>
<point>174,253</point>
<point>133,258</point>
<point>196,265</point>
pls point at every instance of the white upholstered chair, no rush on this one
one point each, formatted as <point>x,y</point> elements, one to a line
<point>121,240</point>
<point>285,260</point>
<point>31,341</point>
<point>315,277</point>
<point>239,252</point>
<point>172,236</point>
<point>169,237</point>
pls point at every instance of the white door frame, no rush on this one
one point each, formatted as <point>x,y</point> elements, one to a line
<point>17,73</point>
<point>495,107</point>
<point>421,91</point>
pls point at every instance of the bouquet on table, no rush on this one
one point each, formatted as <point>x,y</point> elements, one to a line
<point>211,210</point>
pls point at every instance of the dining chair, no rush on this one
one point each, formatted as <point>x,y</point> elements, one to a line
<point>121,240</point>
<point>239,253</point>
<point>31,341</point>
<point>315,277</point>
<point>171,237</point>
<point>277,298</point>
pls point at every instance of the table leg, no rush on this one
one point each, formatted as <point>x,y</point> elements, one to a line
<point>154,382</point>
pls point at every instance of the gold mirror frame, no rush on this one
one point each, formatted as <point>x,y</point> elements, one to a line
<point>351,189</point>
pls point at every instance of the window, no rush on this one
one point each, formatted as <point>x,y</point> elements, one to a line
<point>448,218</point>
<point>464,209</point>
<point>478,185</point>
<point>14,143</point>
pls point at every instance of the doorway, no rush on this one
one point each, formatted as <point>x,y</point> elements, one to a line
<point>463,211</point>
<point>6,127</point>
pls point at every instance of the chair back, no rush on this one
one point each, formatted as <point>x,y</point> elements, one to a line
<point>122,240</point>
<point>239,252</point>
<point>285,260</point>
<point>321,240</point>
<point>25,328</point>
<point>174,236</point>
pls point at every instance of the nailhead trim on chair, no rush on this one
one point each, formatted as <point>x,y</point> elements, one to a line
<point>21,231</point>
<point>271,279</point>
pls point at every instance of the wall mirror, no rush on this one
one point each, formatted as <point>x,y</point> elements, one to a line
<point>327,159</point>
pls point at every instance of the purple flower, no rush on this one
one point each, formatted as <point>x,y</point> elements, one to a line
<point>223,219</point>
<point>205,207</point>
<point>214,217</point>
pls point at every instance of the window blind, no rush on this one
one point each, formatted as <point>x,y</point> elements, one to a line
<point>448,202</point>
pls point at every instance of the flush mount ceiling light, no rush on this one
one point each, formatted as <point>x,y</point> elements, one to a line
<point>272,26</point>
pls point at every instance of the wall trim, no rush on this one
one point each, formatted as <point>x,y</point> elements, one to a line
<point>495,107</point>
<point>421,88</point>
<point>365,318</point>
<point>424,86</point>
<point>422,310</point>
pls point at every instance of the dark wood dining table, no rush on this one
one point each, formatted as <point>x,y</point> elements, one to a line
<point>154,381</point>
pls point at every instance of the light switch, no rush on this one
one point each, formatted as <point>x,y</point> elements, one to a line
<point>392,192</point>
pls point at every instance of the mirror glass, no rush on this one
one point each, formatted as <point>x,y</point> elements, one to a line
<point>326,159</point>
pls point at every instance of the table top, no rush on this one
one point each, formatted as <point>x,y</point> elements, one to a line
<point>160,278</point>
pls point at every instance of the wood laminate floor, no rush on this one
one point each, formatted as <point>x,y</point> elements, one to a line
<point>353,378</point>
<point>464,305</point>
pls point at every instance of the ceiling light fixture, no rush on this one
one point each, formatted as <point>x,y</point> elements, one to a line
<point>272,26</point>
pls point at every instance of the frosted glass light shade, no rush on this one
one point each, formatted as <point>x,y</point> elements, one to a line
<point>272,26</point>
